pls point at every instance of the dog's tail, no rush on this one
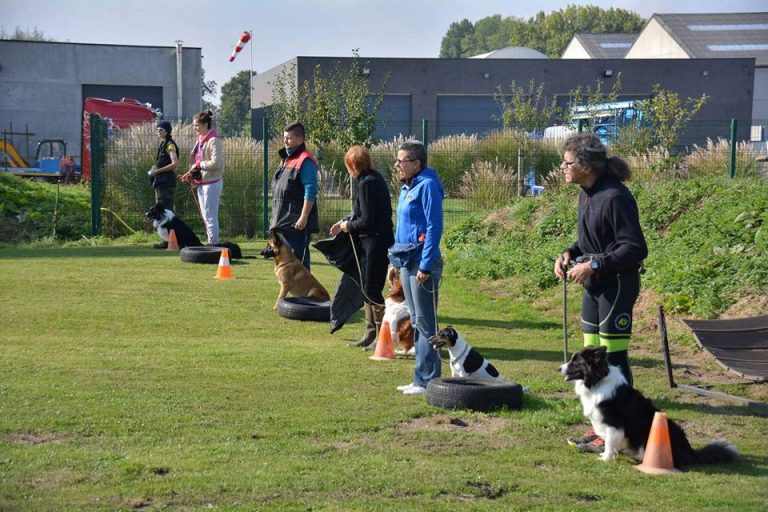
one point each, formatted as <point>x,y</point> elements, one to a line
<point>717,452</point>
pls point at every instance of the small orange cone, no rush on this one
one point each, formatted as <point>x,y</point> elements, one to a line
<point>385,350</point>
<point>658,450</point>
<point>173,244</point>
<point>224,271</point>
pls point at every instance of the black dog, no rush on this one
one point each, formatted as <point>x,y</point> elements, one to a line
<point>623,417</point>
<point>165,220</point>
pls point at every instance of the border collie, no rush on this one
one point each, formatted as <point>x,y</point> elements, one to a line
<point>622,416</point>
<point>164,220</point>
<point>465,360</point>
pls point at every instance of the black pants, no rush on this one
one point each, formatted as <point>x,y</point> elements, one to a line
<point>374,263</point>
<point>606,317</point>
<point>164,196</point>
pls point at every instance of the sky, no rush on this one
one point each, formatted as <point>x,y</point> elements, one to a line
<point>283,29</point>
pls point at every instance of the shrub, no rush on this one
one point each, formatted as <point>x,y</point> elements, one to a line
<point>27,210</point>
<point>500,145</point>
<point>714,159</point>
<point>451,157</point>
<point>488,184</point>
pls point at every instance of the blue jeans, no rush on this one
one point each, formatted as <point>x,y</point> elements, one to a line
<point>422,305</point>
<point>298,241</point>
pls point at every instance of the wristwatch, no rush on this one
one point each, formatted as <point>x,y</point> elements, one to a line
<point>594,265</point>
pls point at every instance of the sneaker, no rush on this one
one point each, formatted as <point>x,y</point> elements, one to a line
<point>415,390</point>
<point>161,245</point>
<point>405,386</point>
<point>371,347</point>
<point>597,445</point>
<point>587,437</point>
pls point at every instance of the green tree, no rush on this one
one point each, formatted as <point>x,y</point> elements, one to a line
<point>526,110</point>
<point>336,105</point>
<point>450,47</point>
<point>27,34</point>
<point>548,33</point>
<point>668,116</point>
<point>209,93</point>
<point>235,114</point>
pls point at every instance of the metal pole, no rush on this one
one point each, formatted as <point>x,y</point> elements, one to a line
<point>565,316</point>
<point>250,84</point>
<point>179,80</point>
<point>665,346</point>
<point>265,179</point>
<point>97,162</point>
<point>519,171</point>
<point>733,147</point>
<point>5,148</point>
<point>425,133</point>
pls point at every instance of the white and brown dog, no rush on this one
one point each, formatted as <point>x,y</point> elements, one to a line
<point>397,318</point>
<point>465,361</point>
<point>622,416</point>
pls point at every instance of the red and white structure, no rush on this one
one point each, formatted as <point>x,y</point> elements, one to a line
<point>244,38</point>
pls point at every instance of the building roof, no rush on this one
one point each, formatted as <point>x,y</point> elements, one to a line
<point>606,46</point>
<point>719,35</point>
<point>512,52</point>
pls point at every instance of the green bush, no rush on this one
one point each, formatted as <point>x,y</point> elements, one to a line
<point>707,239</point>
<point>487,185</point>
<point>27,210</point>
<point>452,157</point>
<point>500,145</point>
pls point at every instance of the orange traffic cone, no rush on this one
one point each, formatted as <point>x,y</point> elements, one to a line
<point>173,244</point>
<point>385,349</point>
<point>658,450</point>
<point>224,271</point>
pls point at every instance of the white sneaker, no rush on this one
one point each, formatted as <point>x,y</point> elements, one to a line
<point>415,390</point>
<point>405,386</point>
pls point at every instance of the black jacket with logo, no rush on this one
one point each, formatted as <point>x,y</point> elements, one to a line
<point>166,178</point>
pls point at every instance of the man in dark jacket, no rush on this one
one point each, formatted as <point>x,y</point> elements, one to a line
<point>294,193</point>
<point>162,175</point>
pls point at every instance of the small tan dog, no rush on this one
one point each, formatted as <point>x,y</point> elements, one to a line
<point>293,276</point>
<point>396,314</point>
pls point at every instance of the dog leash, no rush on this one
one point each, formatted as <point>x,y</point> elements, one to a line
<point>360,271</point>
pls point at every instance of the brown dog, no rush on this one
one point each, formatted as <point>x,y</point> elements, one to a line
<point>396,311</point>
<point>293,276</point>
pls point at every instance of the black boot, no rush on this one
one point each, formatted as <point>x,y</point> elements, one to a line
<point>161,245</point>
<point>369,336</point>
<point>378,317</point>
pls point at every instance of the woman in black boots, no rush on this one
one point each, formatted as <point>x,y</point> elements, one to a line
<point>371,223</point>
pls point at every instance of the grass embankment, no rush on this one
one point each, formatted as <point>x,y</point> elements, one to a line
<point>707,241</point>
<point>133,381</point>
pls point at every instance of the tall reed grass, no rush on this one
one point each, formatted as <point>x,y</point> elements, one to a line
<point>488,185</point>
<point>127,191</point>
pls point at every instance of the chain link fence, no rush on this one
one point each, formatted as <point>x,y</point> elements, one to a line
<point>482,167</point>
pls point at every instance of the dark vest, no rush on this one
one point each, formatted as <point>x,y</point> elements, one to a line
<point>288,192</point>
<point>168,178</point>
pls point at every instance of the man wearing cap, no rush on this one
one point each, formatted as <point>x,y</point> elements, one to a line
<point>162,175</point>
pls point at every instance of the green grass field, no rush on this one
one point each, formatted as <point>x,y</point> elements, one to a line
<point>133,381</point>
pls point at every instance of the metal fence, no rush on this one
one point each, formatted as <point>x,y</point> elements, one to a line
<point>482,167</point>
